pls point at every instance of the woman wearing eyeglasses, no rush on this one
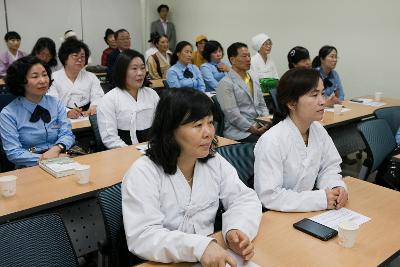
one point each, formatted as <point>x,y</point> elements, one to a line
<point>262,64</point>
<point>183,73</point>
<point>325,63</point>
<point>78,89</point>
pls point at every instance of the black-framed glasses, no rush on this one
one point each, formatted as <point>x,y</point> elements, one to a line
<point>187,73</point>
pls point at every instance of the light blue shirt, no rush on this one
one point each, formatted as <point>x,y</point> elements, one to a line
<point>333,77</point>
<point>398,137</point>
<point>19,135</point>
<point>176,79</point>
<point>211,75</point>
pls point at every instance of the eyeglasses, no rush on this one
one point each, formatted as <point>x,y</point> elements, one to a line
<point>267,43</point>
<point>187,73</point>
<point>124,39</point>
<point>78,56</point>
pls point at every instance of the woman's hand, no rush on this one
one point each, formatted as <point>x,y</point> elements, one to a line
<point>90,111</point>
<point>223,67</point>
<point>240,243</point>
<point>332,100</point>
<point>331,198</point>
<point>342,197</point>
<point>215,255</point>
<point>53,152</point>
<point>74,113</point>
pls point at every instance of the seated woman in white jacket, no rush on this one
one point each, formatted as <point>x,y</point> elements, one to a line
<point>125,114</point>
<point>171,195</point>
<point>297,167</point>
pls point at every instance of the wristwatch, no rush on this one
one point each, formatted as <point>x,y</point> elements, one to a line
<point>62,146</point>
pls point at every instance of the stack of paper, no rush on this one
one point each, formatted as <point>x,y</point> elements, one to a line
<point>59,167</point>
<point>332,218</point>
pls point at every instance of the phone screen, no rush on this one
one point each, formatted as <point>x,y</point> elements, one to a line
<point>315,229</point>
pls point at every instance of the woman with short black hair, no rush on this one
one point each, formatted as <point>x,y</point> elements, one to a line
<point>171,195</point>
<point>34,126</point>
<point>13,41</point>
<point>112,44</point>
<point>214,69</point>
<point>125,114</point>
<point>79,89</point>
<point>45,50</point>
<point>285,175</point>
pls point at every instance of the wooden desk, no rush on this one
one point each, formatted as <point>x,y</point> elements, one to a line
<point>37,190</point>
<point>357,112</point>
<point>2,82</point>
<point>157,84</point>
<point>279,244</point>
<point>80,125</point>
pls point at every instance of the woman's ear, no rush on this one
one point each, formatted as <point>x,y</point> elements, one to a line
<point>292,106</point>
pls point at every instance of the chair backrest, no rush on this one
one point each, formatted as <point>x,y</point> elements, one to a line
<point>36,241</point>
<point>5,97</point>
<point>379,140</point>
<point>5,164</point>
<point>96,132</point>
<point>218,117</point>
<point>241,156</point>
<point>391,115</point>
<point>273,94</point>
<point>110,201</point>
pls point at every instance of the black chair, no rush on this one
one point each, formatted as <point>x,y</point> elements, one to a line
<point>5,97</point>
<point>36,241</point>
<point>380,143</point>
<point>219,117</point>
<point>391,115</point>
<point>273,94</point>
<point>241,156</point>
<point>5,164</point>
<point>95,128</point>
<point>114,250</point>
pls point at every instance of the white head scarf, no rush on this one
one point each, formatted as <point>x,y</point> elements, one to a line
<point>258,40</point>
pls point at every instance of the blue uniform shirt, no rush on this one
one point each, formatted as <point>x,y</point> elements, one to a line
<point>21,138</point>
<point>333,77</point>
<point>211,75</point>
<point>176,79</point>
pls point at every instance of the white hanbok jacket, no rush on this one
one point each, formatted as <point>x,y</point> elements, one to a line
<point>168,221</point>
<point>263,69</point>
<point>286,170</point>
<point>119,110</point>
<point>86,88</point>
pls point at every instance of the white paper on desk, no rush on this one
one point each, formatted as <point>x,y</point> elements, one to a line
<point>237,259</point>
<point>332,218</point>
<point>142,148</point>
<point>81,118</point>
<point>369,102</point>
<point>333,110</point>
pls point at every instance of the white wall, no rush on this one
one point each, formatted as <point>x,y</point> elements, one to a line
<point>366,33</point>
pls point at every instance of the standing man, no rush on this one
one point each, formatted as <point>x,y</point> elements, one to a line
<point>163,26</point>
<point>241,99</point>
<point>123,40</point>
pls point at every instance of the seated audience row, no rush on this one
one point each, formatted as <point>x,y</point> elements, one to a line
<point>13,42</point>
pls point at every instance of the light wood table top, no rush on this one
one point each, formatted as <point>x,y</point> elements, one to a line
<point>37,190</point>
<point>157,83</point>
<point>80,125</point>
<point>279,244</point>
<point>2,82</point>
<point>357,112</point>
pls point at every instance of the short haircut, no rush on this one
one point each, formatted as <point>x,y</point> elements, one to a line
<point>107,33</point>
<point>161,7</point>
<point>121,66</point>
<point>176,107</point>
<point>233,49</point>
<point>70,46</point>
<point>12,35</point>
<point>293,84</point>
<point>116,34</point>
<point>43,43</point>
<point>16,74</point>
<point>322,54</point>
<point>210,47</point>
<point>179,47</point>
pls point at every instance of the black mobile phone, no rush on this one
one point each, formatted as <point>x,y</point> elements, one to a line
<point>315,229</point>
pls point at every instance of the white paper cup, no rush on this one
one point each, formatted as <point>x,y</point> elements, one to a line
<point>378,96</point>
<point>82,174</point>
<point>347,231</point>
<point>8,185</point>
<point>337,108</point>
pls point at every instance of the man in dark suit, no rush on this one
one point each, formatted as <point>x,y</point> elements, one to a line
<point>163,26</point>
<point>123,40</point>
